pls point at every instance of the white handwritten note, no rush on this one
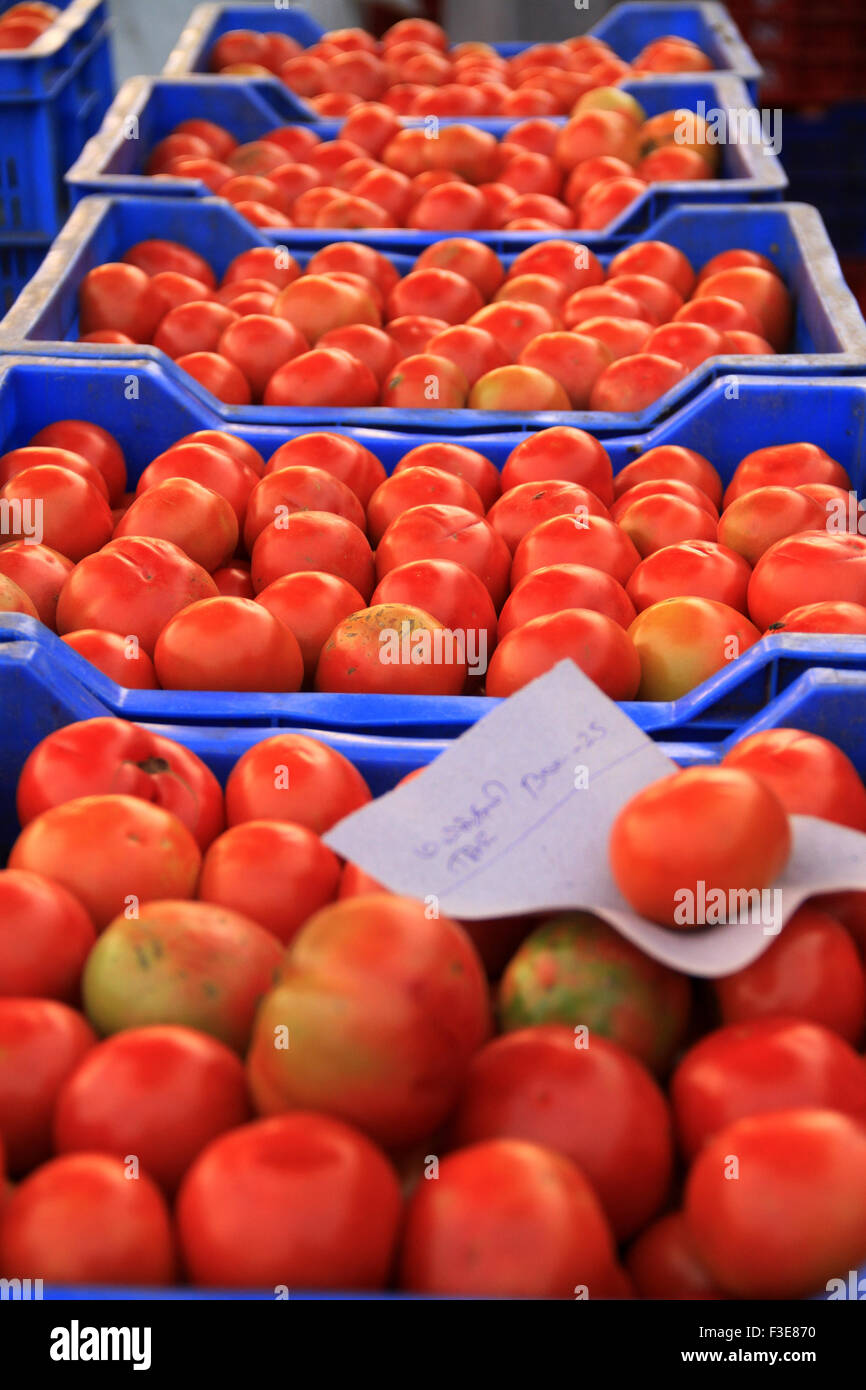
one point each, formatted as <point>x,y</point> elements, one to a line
<point>514,817</point>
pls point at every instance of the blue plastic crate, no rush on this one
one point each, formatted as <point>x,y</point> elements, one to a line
<point>53,96</point>
<point>765,411</point>
<point>112,162</point>
<point>627,28</point>
<point>20,258</point>
<point>829,334</point>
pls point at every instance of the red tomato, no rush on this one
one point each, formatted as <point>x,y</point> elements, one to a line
<point>19,460</point>
<point>449,207</point>
<point>39,572</point>
<point>121,661</point>
<point>728,260</point>
<point>201,522</point>
<point>103,755</point>
<point>594,300</point>
<point>632,383</point>
<point>453,595</point>
<point>582,540</point>
<point>116,295</point>
<point>79,1220</point>
<point>412,332</point>
<point>796,1218</point>
<point>473,350</point>
<point>664,1263</point>
<point>757,519</point>
<point>810,775</point>
<point>298,1200</point>
<point>336,454</point>
<point>175,290</point>
<point>670,487</point>
<point>294,778</point>
<point>472,260</point>
<point>311,604</point>
<point>681,642</point>
<point>316,303</point>
<point>227,644</point>
<point>518,388</point>
<point>107,849</point>
<point>465,463</point>
<point>216,137</point>
<point>161,1093</point>
<point>561,452</point>
<point>719,312</point>
<point>607,199</point>
<point>761,292</point>
<point>14,600</point>
<point>45,936</point>
<point>57,507</point>
<point>230,444</point>
<point>298,488</point>
<point>785,465</point>
<point>717,826</point>
<point>693,568</point>
<point>218,376</point>
<point>514,324</point>
<point>595,1105</point>
<point>558,587</point>
<point>313,540</point>
<point>324,376</point>
<point>807,568</point>
<point>93,443</point>
<point>621,337</point>
<point>364,956</point>
<point>823,617</point>
<point>358,259</point>
<point>671,461</point>
<point>211,465</point>
<point>673,162</point>
<point>507,1219</point>
<point>574,266</point>
<point>591,133</point>
<point>41,1043</point>
<point>594,642</point>
<point>413,487</point>
<point>572,359</point>
<point>131,587</point>
<point>273,264</point>
<point>369,345</point>
<point>658,259</point>
<point>233,581</point>
<point>425,382</point>
<point>433,291</point>
<point>295,875</point>
<point>156,256</point>
<point>258,344</point>
<point>660,519</point>
<point>371,126</point>
<point>525,505</point>
<point>392,648</point>
<point>437,532</point>
<point>690,344</point>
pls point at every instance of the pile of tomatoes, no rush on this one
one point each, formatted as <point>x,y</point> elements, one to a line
<point>21,25</point>
<point>552,331</point>
<point>414,68</point>
<point>223,572</point>
<point>227,1056</point>
<point>540,176</point>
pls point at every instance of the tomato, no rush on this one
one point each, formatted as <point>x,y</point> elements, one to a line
<point>312,540</point>
<point>369,345</point>
<point>785,465</point>
<point>632,383</point>
<point>425,382</point>
<point>796,1218</point>
<point>14,600</point>
<point>761,292</point>
<point>316,303</point>
<point>541,207</point>
<point>506,1218</point>
<point>157,256</point>
<point>660,519</point>
<point>606,200</point>
<point>227,644</point>
<point>452,594</point>
<point>358,259</point>
<point>237,46</point>
<point>807,568</point>
<point>39,572</point>
<point>712,825</point>
<point>672,162</point>
<point>518,388</point>
<point>337,454</point>
<point>291,777</point>
<point>324,376</point>
<point>572,359</point>
<point>79,1220</point>
<point>658,487</point>
<point>45,936</point>
<point>594,642</point>
<point>823,617</point>
<point>473,350</point>
<point>392,648</point>
<point>411,1068</point>
<point>412,332</point>
<point>93,443</point>
<point>693,568</point>
<point>433,291</point>
<point>186,963</point>
<point>449,207</point>
<point>591,133</point>
<point>719,312</point>
<point>413,487</point>
<point>122,661</point>
<point>270,263</point>
<point>671,461</point>
<point>575,969</point>
<point>756,519</point>
<point>116,295</point>
<point>561,452</point>
<point>311,604</point>
<point>728,260</point>
<point>211,465</point>
<point>216,137</point>
<point>438,532</point>
<point>525,505</point>
<point>201,522</point>
<point>298,488</point>
<point>593,301</point>
<point>514,325</point>
<point>657,259</point>
<point>217,375</point>
<point>297,1200</point>
<point>810,775</point>
<point>18,461</point>
<point>131,587</point>
<point>584,540</point>
<point>554,588</point>
<point>56,507</point>
<point>464,462</point>
<point>258,344</point>
<point>690,344</point>
<point>683,641</point>
<point>673,54</point>
<point>664,1263</point>
<point>371,126</point>
<point>161,1093</point>
<point>41,1043</point>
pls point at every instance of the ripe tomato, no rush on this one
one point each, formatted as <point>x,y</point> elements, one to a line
<point>473,350</point>
<point>518,388</point>
<point>671,487</point>
<point>660,519</point>
<point>372,974</point>
<point>561,452</point>
<point>823,617</point>
<point>693,569</point>
<point>582,540</point>
<point>121,661</point>
<point>103,755</point>
<point>41,1043</point>
<point>597,644</point>
<point>227,644</point>
<point>161,1093</point>
<point>514,325</point>
<point>574,360</point>
<point>273,264</point>
<point>714,825</point>
<point>120,296</point>
<point>595,132</point>
<point>193,327</point>
<point>14,600</point>
<point>358,259</point>
<point>294,874</point>
<point>297,1200</point>
<point>757,519</point>
<point>690,344</point>
<point>62,509</point>
<point>557,587</point>
<point>313,540</point>
<point>465,463</point>
<point>324,376</point>
<point>414,487</point>
<point>453,595</point>
<point>45,936</point>
<point>198,520</point>
<point>425,382</point>
<point>658,259</point>
<point>671,461</point>
<point>797,1215</point>
<point>369,345</point>
<point>507,1218</point>
<point>473,260</point>
<point>632,383</point>
<point>807,568</point>
<point>345,458</point>
<point>93,443</point>
<point>533,289</point>
<point>785,465</point>
<point>131,587</point>
<point>311,604</point>
<point>574,266</point>
<point>810,775</point>
<point>392,648</point>
<point>79,1220</point>
<point>297,488</point>
<point>761,292</point>
<point>412,332</point>
<point>258,344</point>
<point>681,642</point>
<point>291,777</point>
<point>39,572</point>
<point>434,292</point>
<point>525,505</point>
<point>595,1105</point>
<point>19,460</point>
<point>607,199</point>
<point>663,1262</point>
<point>438,532</point>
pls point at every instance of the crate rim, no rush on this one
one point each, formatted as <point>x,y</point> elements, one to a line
<point>64,28</point>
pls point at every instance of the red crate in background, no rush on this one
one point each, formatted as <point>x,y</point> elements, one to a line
<point>811,54</point>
